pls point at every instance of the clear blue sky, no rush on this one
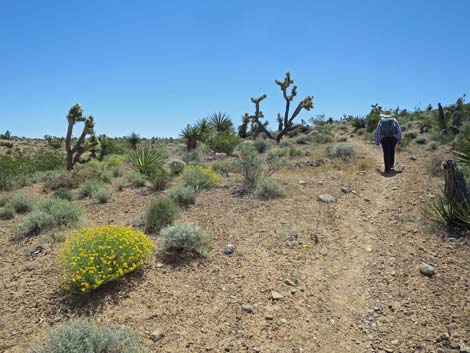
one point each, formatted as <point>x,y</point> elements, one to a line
<point>154,66</point>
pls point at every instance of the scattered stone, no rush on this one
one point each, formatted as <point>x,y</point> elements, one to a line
<point>247,308</point>
<point>297,350</point>
<point>394,342</point>
<point>276,295</point>
<point>37,250</point>
<point>221,154</point>
<point>412,158</point>
<point>268,317</point>
<point>327,198</point>
<point>427,270</point>
<point>345,189</point>
<point>301,182</point>
<point>454,345</point>
<point>290,283</point>
<point>156,335</point>
<point>465,350</point>
<point>229,249</point>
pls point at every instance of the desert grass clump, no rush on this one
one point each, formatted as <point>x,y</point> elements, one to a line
<point>102,194</point>
<point>186,238</point>
<point>223,167</point>
<point>6,213</point>
<point>159,179</point>
<point>81,336</point>
<point>66,180</point>
<point>21,203</point>
<point>176,166</point>
<point>199,177</point>
<point>64,213</point>
<point>94,256</point>
<point>63,193</point>
<point>182,195</point>
<point>295,152</point>
<point>421,140</point>
<point>35,223</point>
<point>136,179</point>
<point>88,187</point>
<point>261,146</point>
<point>268,188</point>
<point>161,212</point>
<point>343,150</point>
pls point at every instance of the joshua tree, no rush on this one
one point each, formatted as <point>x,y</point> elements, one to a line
<point>191,134</point>
<point>133,140</point>
<point>285,123</point>
<point>74,153</point>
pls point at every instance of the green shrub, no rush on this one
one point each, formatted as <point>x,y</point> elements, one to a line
<point>63,193</point>
<point>88,187</point>
<point>176,166</point>
<point>188,238</point>
<point>120,184</point>
<point>465,130</point>
<point>4,200</point>
<point>159,179</point>
<point>7,213</point>
<point>192,156</point>
<point>261,146</point>
<point>410,135</point>
<point>199,177</point>
<point>224,142</point>
<point>182,195</point>
<point>113,161</point>
<point>161,212</point>
<point>361,132</point>
<point>64,213</point>
<point>35,223</point>
<point>64,181</point>
<point>321,137</point>
<point>302,140</point>
<point>343,150</point>
<point>21,203</point>
<point>94,256</point>
<point>295,152</point>
<point>223,167</point>
<point>421,140</point>
<point>102,194</point>
<point>268,188</point>
<point>145,160</point>
<point>443,137</point>
<point>136,179</point>
<point>82,336</point>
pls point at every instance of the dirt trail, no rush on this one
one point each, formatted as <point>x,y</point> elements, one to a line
<point>348,271</point>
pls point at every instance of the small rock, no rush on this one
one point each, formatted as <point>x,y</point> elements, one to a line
<point>247,308</point>
<point>345,189</point>
<point>427,270</point>
<point>156,335</point>
<point>465,350</point>
<point>276,295</point>
<point>268,317</point>
<point>394,342</point>
<point>327,198</point>
<point>412,158</point>
<point>301,182</point>
<point>454,345</point>
<point>290,283</point>
<point>229,249</point>
<point>297,350</point>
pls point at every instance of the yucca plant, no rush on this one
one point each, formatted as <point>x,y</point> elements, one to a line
<point>145,160</point>
<point>446,211</point>
<point>191,134</point>
<point>221,122</point>
<point>462,152</point>
<point>204,129</point>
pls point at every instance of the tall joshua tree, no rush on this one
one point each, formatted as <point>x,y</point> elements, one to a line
<point>286,122</point>
<point>74,152</point>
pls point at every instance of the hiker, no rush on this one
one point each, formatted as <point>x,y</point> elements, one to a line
<point>388,133</point>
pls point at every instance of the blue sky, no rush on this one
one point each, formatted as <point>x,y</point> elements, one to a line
<point>154,66</point>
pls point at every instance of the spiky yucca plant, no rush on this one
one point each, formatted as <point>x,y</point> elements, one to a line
<point>221,122</point>
<point>204,129</point>
<point>145,160</point>
<point>191,134</point>
<point>462,152</point>
<point>446,211</point>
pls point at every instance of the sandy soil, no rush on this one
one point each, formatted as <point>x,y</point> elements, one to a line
<point>348,272</point>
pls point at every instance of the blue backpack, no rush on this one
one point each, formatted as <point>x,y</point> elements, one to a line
<point>388,128</point>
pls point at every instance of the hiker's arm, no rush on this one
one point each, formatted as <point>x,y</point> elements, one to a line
<point>398,134</point>
<point>377,132</point>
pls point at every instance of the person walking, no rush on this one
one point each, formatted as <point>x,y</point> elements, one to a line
<point>388,134</point>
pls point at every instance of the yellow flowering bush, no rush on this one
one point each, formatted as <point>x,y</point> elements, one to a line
<point>94,256</point>
<point>199,177</point>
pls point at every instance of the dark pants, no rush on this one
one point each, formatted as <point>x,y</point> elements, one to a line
<point>388,146</point>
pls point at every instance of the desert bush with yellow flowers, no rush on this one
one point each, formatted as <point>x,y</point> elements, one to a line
<point>199,177</point>
<point>94,256</point>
